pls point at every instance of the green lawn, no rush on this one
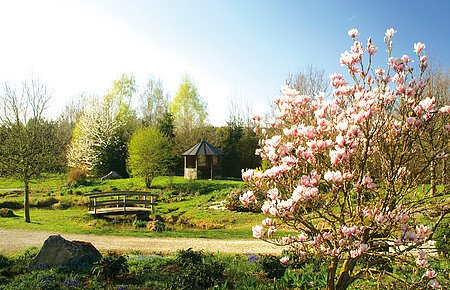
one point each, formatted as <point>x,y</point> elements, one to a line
<point>80,222</point>
<point>184,204</point>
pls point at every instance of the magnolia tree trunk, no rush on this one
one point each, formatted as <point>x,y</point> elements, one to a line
<point>26,203</point>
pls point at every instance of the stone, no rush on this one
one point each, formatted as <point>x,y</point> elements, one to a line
<point>58,251</point>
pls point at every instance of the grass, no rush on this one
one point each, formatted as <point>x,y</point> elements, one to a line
<point>78,221</point>
<point>47,180</point>
<point>184,204</point>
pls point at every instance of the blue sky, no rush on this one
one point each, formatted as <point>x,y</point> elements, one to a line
<point>231,49</point>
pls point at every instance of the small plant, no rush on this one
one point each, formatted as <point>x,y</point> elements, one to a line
<point>139,223</point>
<point>273,267</point>
<point>111,266</point>
<point>197,271</point>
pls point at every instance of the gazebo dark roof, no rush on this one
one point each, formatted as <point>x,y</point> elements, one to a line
<point>202,148</point>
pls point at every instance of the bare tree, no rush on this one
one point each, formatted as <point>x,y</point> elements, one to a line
<point>26,147</point>
<point>154,104</point>
<point>310,81</point>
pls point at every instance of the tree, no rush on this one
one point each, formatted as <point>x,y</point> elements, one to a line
<point>150,154</point>
<point>99,143</point>
<point>344,174</point>
<point>310,82</point>
<point>154,104</point>
<point>189,112</point>
<point>27,147</point>
<point>438,88</point>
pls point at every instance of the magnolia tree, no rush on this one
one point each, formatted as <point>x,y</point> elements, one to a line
<point>343,171</point>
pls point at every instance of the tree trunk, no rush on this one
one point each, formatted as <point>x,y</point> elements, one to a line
<point>26,202</point>
<point>344,276</point>
<point>331,274</point>
<point>148,182</point>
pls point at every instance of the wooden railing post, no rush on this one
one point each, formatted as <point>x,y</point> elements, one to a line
<point>95,205</point>
<point>145,199</point>
<point>124,204</point>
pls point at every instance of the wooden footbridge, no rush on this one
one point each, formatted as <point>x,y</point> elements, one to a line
<point>121,203</point>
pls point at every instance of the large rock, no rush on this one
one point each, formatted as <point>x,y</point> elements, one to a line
<point>58,251</point>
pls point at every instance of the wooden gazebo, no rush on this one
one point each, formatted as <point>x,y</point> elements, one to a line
<point>202,161</point>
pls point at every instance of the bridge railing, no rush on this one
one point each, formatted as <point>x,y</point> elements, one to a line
<point>121,199</point>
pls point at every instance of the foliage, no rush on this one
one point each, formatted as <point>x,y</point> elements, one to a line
<point>150,154</point>
<point>273,267</point>
<point>442,237</point>
<point>102,132</point>
<point>196,271</point>
<point>344,172</point>
<point>166,125</point>
<point>77,176</point>
<point>111,266</point>
<point>189,112</point>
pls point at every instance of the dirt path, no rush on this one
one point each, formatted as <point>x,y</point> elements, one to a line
<point>18,240</point>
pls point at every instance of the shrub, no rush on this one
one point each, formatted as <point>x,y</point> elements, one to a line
<point>60,206</point>
<point>442,238</point>
<point>272,266</point>
<point>11,204</point>
<point>77,177</point>
<point>111,266</point>
<point>6,212</point>
<point>47,202</point>
<point>196,271</point>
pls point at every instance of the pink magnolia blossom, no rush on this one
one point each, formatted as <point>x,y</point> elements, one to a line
<point>271,230</point>
<point>422,263</point>
<point>349,230</point>
<point>390,32</point>
<point>422,231</point>
<point>334,176</point>
<point>353,32</point>
<point>368,183</point>
<point>267,222</point>
<point>248,198</point>
<point>258,232</point>
<point>445,110</point>
<point>337,80</point>
<point>284,260</point>
<point>371,48</point>
<point>429,274</point>
<point>273,193</point>
<point>434,284</point>
<point>419,47</point>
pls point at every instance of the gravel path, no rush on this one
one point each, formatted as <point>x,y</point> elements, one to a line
<point>18,240</point>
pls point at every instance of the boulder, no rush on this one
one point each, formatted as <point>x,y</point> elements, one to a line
<point>58,251</point>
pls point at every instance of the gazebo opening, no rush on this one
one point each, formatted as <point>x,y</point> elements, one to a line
<point>203,161</point>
